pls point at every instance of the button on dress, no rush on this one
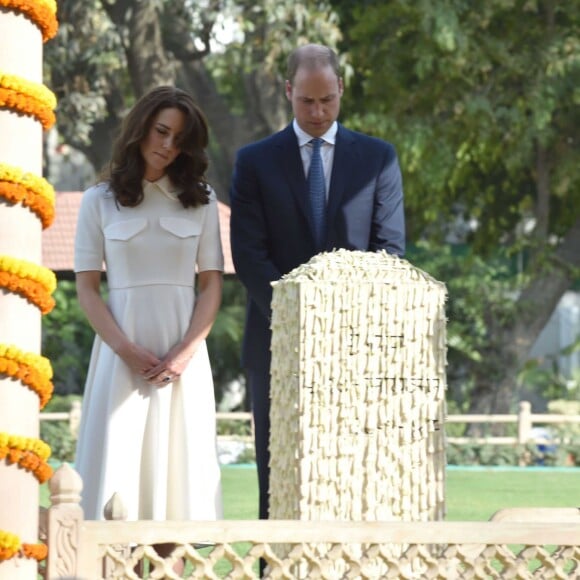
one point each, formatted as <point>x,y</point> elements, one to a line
<point>155,447</point>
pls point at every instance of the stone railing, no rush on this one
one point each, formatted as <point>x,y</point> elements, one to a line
<point>538,544</point>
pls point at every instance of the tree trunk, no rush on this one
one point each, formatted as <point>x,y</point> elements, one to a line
<point>536,304</point>
<point>143,42</point>
<point>228,131</point>
<point>149,66</point>
<point>103,133</point>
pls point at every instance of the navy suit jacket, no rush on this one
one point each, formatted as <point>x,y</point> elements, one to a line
<point>271,226</point>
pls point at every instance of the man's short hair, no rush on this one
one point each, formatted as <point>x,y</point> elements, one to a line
<point>311,56</point>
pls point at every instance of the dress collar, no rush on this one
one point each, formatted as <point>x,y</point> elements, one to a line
<point>163,184</point>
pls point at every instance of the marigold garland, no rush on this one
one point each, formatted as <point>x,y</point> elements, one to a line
<point>29,289</point>
<point>28,98</point>
<point>27,106</point>
<point>35,283</point>
<point>35,91</point>
<point>21,443</point>
<point>32,369</point>
<point>34,192</point>
<point>35,551</point>
<point>29,453</point>
<point>10,546</point>
<point>40,12</point>
<point>30,271</point>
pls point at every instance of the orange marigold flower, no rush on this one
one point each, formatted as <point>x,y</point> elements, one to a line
<point>37,552</point>
<point>27,452</point>
<point>30,368</point>
<point>41,12</point>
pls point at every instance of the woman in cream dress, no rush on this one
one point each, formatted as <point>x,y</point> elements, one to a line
<point>148,421</point>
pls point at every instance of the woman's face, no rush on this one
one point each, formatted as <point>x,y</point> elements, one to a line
<point>159,148</point>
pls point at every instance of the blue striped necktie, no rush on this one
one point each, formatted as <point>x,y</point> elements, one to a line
<point>317,192</point>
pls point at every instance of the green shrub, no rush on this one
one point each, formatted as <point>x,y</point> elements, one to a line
<point>234,427</point>
<point>57,434</point>
<point>565,454</point>
<point>247,456</point>
<point>484,454</point>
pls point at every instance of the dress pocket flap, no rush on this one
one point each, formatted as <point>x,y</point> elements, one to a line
<point>125,230</point>
<point>182,228</point>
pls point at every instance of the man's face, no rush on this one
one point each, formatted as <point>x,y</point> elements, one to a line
<point>315,96</point>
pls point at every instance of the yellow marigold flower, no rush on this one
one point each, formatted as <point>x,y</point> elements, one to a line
<point>32,191</point>
<point>29,453</point>
<point>35,90</point>
<point>9,545</point>
<point>28,98</point>
<point>33,370</point>
<point>30,271</point>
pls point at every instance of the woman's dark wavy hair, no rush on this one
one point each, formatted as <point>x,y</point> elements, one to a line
<point>127,167</point>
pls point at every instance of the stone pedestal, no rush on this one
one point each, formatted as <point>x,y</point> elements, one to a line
<point>358,391</point>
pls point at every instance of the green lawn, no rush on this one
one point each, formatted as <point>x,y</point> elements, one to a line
<point>472,495</point>
<point>477,495</point>
<point>240,493</point>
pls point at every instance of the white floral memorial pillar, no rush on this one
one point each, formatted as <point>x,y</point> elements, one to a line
<point>358,383</point>
<point>26,206</point>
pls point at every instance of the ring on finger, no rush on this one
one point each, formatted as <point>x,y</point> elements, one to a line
<point>166,379</point>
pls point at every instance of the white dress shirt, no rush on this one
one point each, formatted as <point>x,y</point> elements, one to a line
<point>326,150</point>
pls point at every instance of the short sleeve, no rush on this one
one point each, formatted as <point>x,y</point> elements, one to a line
<point>89,239</point>
<point>210,254</point>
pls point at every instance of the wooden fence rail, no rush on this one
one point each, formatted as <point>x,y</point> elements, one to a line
<point>524,419</point>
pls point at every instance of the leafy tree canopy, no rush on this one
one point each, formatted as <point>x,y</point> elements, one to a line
<point>110,52</point>
<point>482,104</point>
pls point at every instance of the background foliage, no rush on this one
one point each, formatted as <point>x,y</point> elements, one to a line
<point>482,105</point>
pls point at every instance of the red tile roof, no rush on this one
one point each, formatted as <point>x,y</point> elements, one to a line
<point>58,239</point>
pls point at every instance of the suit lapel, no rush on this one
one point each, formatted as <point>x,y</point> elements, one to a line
<point>291,162</point>
<point>345,159</point>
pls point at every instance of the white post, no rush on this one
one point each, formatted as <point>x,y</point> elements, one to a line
<point>75,418</point>
<point>65,516</point>
<point>20,238</point>
<point>115,510</point>
<point>524,422</point>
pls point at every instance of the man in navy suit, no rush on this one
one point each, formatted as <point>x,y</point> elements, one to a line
<point>273,226</point>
